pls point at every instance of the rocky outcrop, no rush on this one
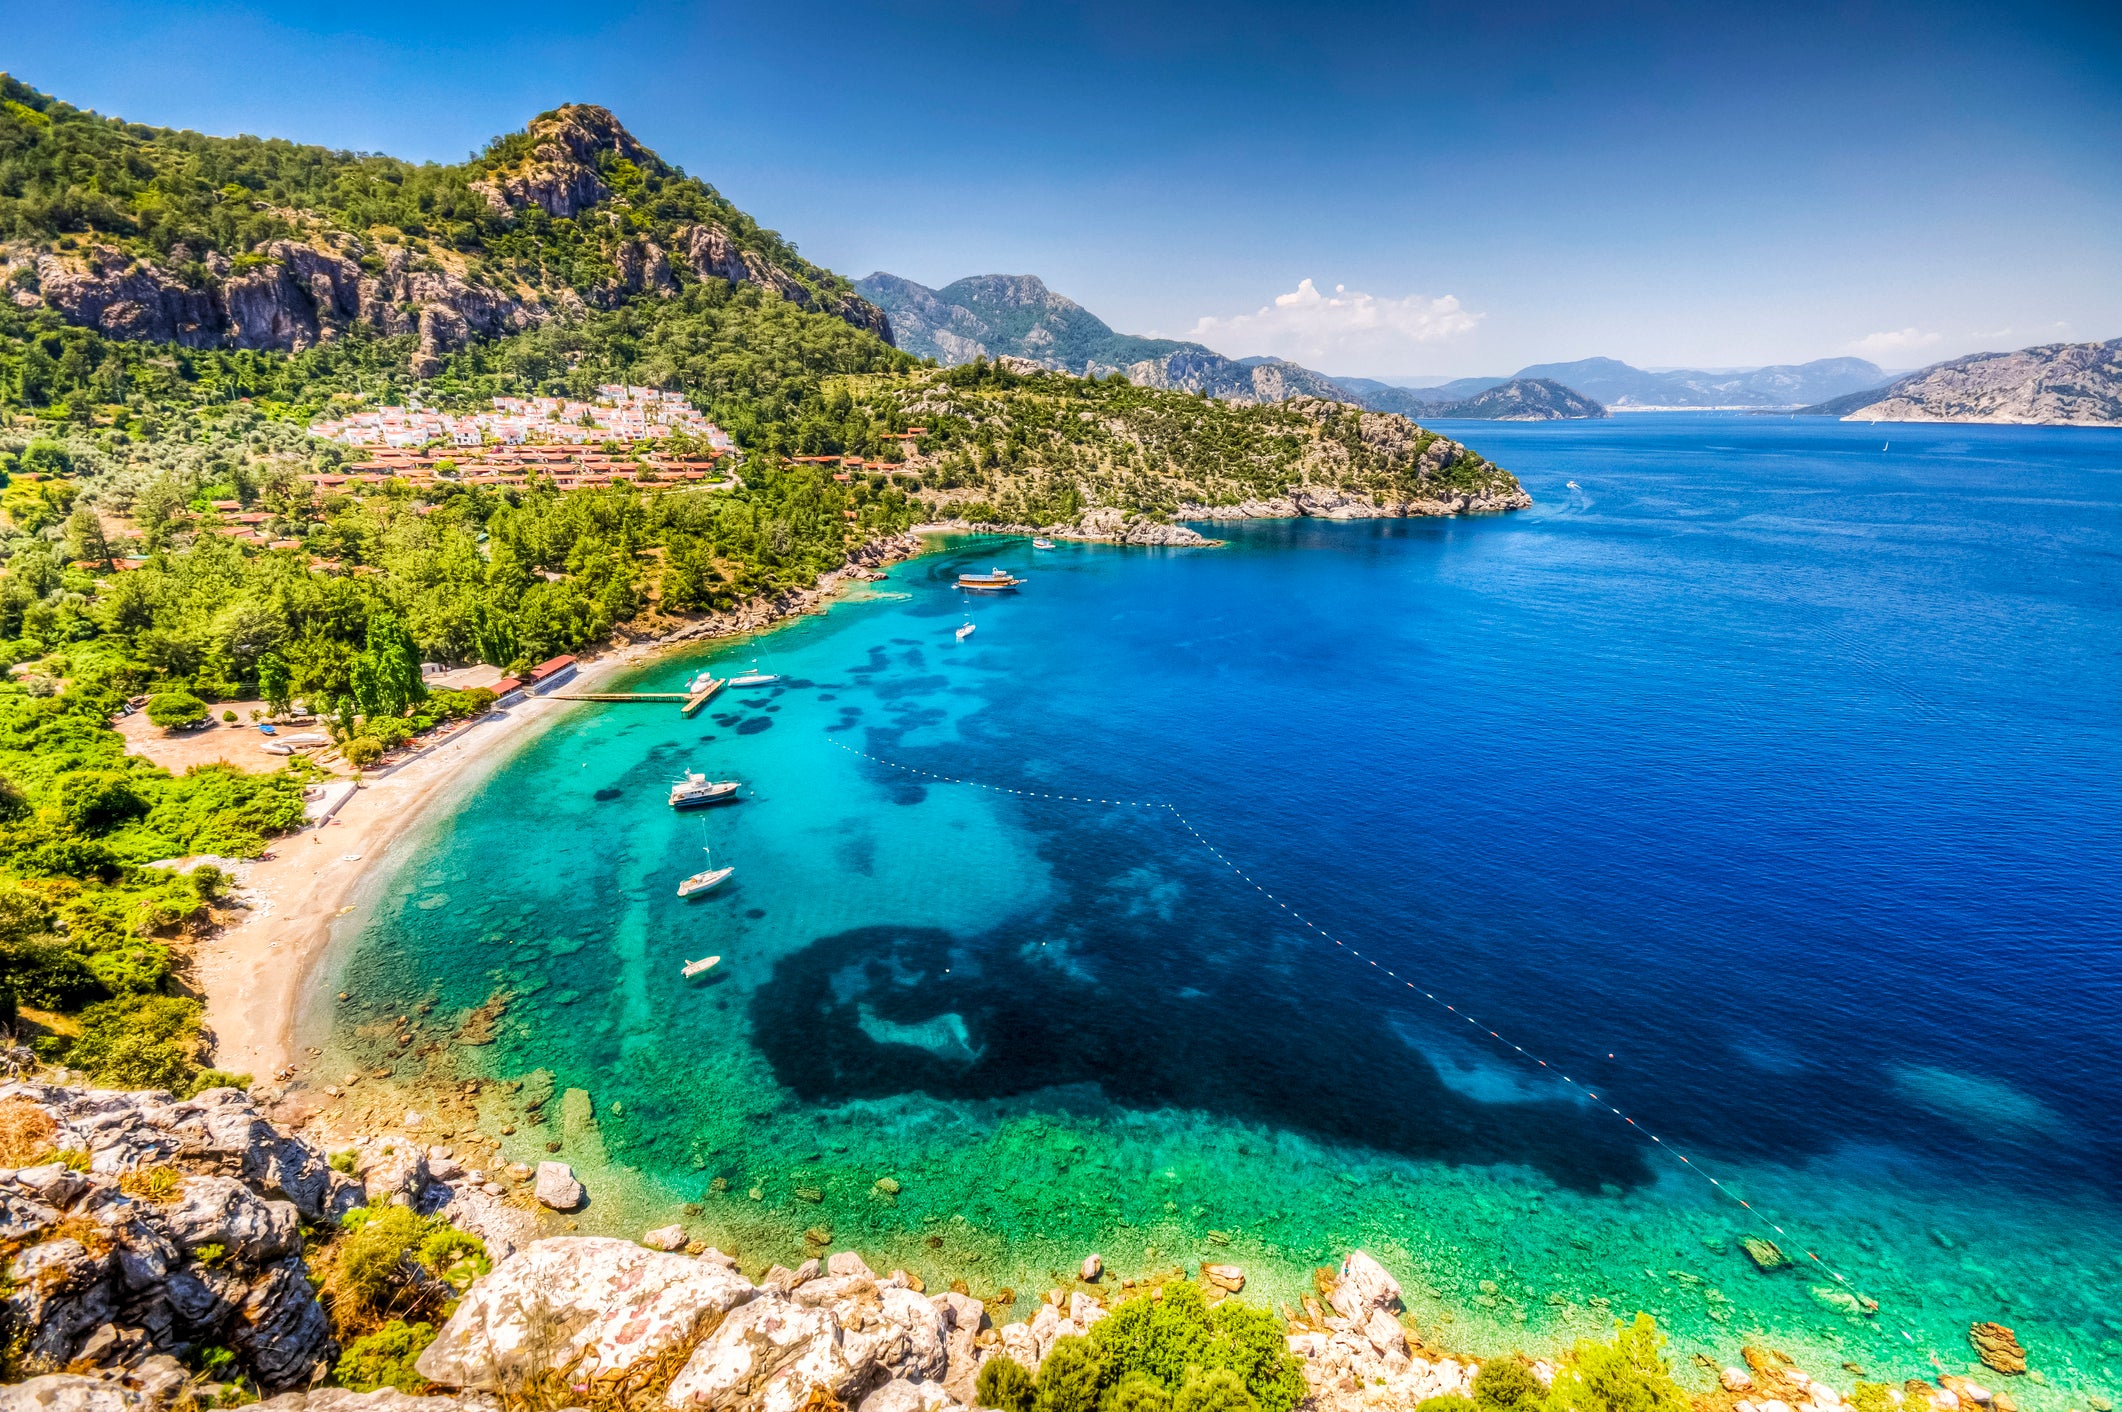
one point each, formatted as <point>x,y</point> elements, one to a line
<point>1344,505</point>
<point>710,252</point>
<point>111,1279</point>
<point>299,296</point>
<point>560,173</point>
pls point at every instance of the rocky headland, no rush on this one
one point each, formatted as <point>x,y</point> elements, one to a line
<point>2057,384</point>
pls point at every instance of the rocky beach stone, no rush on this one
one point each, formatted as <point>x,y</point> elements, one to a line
<point>1093,1267</point>
<point>1224,1277</point>
<point>607,1302</point>
<point>1362,1286</point>
<point>1998,1347</point>
<point>557,1187</point>
<point>665,1238</point>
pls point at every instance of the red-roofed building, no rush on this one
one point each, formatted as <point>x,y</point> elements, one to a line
<point>547,675</point>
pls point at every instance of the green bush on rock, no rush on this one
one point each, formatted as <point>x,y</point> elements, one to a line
<point>1073,1378</point>
<point>1215,1390</point>
<point>385,1358</point>
<point>1507,1385</point>
<point>1172,1339</point>
<point>1627,1375</point>
<point>1137,1392</point>
<point>1005,1385</point>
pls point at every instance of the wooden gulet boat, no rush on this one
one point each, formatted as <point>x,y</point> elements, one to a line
<point>995,581</point>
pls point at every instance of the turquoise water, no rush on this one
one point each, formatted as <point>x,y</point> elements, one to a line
<point>1764,785</point>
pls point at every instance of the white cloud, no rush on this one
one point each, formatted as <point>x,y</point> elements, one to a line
<point>1341,329</point>
<point>1895,341</point>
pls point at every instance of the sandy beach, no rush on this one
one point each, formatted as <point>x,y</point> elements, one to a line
<point>256,973</point>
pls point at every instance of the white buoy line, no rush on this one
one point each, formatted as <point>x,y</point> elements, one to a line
<point>1387,971</point>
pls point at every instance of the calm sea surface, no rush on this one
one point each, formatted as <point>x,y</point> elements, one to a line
<point>1766,782</point>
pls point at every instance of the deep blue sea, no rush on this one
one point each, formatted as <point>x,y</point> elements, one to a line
<point>1766,782</point>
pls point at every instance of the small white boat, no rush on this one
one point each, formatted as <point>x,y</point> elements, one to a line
<point>1574,486</point>
<point>755,677</point>
<point>694,968</point>
<point>699,683</point>
<point>704,879</point>
<point>696,789</point>
<point>965,632</point>
<point>1042,544</point>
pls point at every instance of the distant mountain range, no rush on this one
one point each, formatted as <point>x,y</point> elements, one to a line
<point>1626,388</point>
<point>2056,384</point>
<point>1017,316</point>
<point>991,316</point>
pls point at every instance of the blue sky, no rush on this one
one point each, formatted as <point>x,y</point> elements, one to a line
<point>1391,190</point>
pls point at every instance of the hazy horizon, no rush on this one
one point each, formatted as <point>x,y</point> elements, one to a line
<point>1386,191</point>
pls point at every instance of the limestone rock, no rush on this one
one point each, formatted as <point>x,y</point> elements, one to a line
<point>959,1319</point>
<point>908,1395</point>
<point>222,1211</point>
<point>1363,1286</point>
<point>1093,1267</point>
<point>70,1392</point>
<point>506,1229</point>
<point>1224,1277</point>
<point>847,1262</point>
<point>559,172</point>
<point>766,1356</point>
<point>609,1301</point>
<point>557,1187</point>
<point>665,1238</point>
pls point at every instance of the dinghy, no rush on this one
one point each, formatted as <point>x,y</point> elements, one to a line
<point>694,968</point>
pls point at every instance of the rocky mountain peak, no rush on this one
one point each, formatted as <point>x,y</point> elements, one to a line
<point>560,171</point>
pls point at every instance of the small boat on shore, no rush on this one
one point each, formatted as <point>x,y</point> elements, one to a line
<point>1042,544</point>
<point>697,789</point>
<point>965,632</point>
<point>694,968</point>
<point>996,581</point>
<point>704,879</point>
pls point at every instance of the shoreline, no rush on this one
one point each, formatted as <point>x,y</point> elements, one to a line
<point>257,975</point>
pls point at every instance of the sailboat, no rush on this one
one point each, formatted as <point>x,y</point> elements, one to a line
<point>966,631</point>
<point>694,968</point>
<point>706,878</point>
<point>1042,544</point>
<point>754,677</point>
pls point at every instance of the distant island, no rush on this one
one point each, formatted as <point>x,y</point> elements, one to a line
<point>2056,384</point>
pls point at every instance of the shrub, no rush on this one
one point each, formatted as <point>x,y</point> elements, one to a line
<point>362,751</point>
<point>344,1161</point>
<point>1169,1338</point>
<point>1137,1392</point>
<point>1507,1385</point>
<point>215,1078</point>
<point>174,709</point>
<point>1444,1402</point>
<point>98,800</point>
<point>1214,1390</point>
<point>385,1358</point>
<point>1005,1385</point>
<point>1872,1397</point>
<point>1073,1378</point>
<point>228,716</point>
<point>1627,1375</point>
<point>385,1263</point>
<point>140,1041</point>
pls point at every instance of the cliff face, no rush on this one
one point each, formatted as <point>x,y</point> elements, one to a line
<point>295,296</point>
<point>2057,384</point>
<point>559,173</point>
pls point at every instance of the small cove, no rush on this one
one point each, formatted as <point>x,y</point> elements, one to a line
<point>1758,784</point>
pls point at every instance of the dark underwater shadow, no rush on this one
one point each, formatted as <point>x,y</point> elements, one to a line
<point>880,1011</point>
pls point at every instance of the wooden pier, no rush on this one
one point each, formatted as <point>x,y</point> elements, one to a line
<point>693,700</point>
